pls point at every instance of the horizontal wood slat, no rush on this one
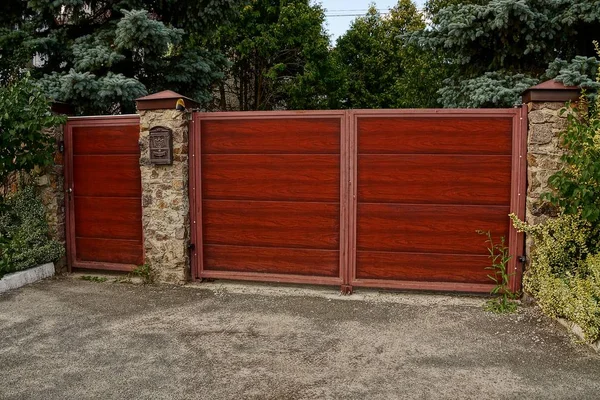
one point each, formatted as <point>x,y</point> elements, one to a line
<point>110,251</point>
<point>434,179</point>
<point>428,228</point>
<point>271,224</point>
<point>271,177</point>
<point>106,140</point>
<point>422,267</point>
<point>271,135</point>
<point>272,260</point>
<point>461,135</point>
<point>108,217</point>
<point>108,176</point>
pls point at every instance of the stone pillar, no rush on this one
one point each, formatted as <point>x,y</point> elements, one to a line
<point>50,183</point>
<point>545,123</point>
<point>165,199</point>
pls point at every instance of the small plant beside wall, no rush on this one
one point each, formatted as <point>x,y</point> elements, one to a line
<point>505,300</point>
<point>24,238</point>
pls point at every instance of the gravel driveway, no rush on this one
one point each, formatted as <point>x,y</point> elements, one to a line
<point>70,339</point>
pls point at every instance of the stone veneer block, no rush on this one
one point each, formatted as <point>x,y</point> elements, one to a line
<point>165,201</point>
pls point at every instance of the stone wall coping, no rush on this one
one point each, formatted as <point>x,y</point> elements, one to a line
<point>165,100</point>
<point>551,91</point>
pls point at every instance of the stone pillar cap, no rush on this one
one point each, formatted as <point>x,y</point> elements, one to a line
<point>551,91</point>
<point>165,100</point>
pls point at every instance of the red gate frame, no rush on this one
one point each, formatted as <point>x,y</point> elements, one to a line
<point>195,184</point>
<point>348,197</point>
<point>71,248</point>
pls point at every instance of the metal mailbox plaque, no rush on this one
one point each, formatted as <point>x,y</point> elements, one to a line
<point>161,145</point>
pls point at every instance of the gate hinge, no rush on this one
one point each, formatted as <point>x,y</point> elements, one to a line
<point>522,259</point>
<point>191,246</point>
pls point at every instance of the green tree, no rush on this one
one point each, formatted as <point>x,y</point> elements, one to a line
<point>501,47</point>
<point>379,69</point>
<point>25,117</point>
<point>101,55</point>
<point>278,51</point>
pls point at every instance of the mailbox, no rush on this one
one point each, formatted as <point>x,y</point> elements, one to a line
<point>161,145</point>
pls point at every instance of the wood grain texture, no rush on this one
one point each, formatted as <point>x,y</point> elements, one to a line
<point>108,217</point>
<point>434,179</point>
<point>272,260</point>
<point>111,176</point>
<point>271,224</point>
<point>271,135</point>
<point>463,135</point>
<point>110,251</point>
<point>106,140</point>
<point>423,267</point>
<point>271,177</point>
<point>428,228</point>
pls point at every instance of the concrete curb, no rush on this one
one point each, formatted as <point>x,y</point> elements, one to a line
<point>577,331</point>
<point>25,277</point>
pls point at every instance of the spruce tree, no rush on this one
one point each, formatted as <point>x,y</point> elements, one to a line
<point>501,47</point>
<point>101,55</point>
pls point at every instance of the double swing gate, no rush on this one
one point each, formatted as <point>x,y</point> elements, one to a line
<point>364,198</point>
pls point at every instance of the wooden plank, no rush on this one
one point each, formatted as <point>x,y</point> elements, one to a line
<point>108,217</point>
<point>271,177</point>
<point>110,251</point>
<point>429,228</point>
<point>271,135</point>
<point>272,260</point>
<point>106,140</point>
<point>423,267</point>
<point>463,135</point>
<point>434,179</point>
<point>110,176</point>
<point>272,224</point>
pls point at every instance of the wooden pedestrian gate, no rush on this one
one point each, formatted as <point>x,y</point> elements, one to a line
<point>372,198</point>
<point>103,193</point>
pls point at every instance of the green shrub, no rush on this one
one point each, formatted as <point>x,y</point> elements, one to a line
<point>576,187</point>
<point>25,117</point>
<point>24,238</point>
<point>564,274</point>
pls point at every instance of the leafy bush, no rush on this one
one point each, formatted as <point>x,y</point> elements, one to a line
<point>25,116</point>
<point>564,274</point>
<point>576,187</point>
<point>24,239</point>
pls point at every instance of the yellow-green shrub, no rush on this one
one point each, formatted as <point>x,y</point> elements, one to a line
<point>564,273</point>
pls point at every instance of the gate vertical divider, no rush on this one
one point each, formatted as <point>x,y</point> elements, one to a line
<point>344,253</point>
<point>195,191</point>
<point>516,240</point>
<point>352,195</point>
<point>68,184</point>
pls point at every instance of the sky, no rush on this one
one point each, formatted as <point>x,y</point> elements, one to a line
<point>341,13</point>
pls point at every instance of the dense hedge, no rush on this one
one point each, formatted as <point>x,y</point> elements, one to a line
<point>564,274</point>
<point>24,238</point>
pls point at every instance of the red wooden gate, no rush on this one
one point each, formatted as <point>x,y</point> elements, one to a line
<point>103,193</point>
<point>379,198</point>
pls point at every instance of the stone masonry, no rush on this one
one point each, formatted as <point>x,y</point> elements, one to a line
<point>51,187</point>
<point>165,203</point>
<point>543,156</point>
<point>545,123</point>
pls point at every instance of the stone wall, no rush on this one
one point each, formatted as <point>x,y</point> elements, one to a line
<point>165,202</point>
<point>50,184</point>
<point>51,187</point>
<point>543,160</point>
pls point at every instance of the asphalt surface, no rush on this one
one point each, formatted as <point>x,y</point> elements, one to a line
<point>72,339</point>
